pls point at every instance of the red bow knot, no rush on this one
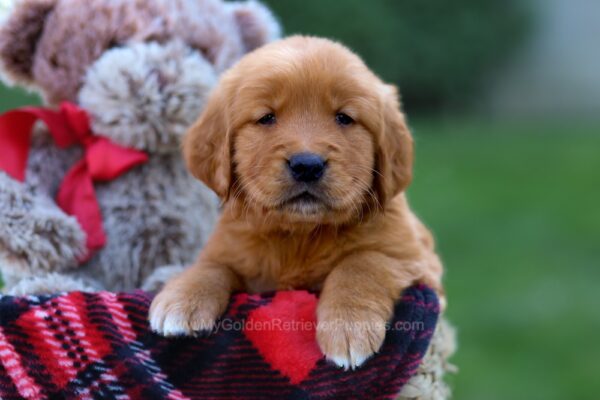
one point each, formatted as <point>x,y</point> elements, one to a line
<point>103,160</point>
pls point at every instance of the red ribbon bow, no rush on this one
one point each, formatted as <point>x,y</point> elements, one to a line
<point>102,161</point>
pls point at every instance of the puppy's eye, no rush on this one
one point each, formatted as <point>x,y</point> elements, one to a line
<point>267,119</point>
<point>343,119</point>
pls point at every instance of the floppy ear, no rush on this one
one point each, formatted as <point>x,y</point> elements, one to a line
<point>206,146</point>
<point>394,158</point>
<point>19,36</point>
<point>256,22</point>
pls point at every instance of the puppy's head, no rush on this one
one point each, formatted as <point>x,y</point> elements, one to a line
<point>303,130</point>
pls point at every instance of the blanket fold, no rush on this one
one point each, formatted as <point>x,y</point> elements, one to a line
<point>98,346</point>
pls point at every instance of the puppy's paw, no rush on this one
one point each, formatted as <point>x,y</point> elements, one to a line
<point>174,313</point>
<point>349,337</point>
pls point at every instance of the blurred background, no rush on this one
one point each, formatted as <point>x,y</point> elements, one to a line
<point>503,98</point>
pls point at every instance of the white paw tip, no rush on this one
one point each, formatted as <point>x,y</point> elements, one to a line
<point>354,361</point>
<point>358,359</point>
<point>173,326</point>
<point>341,362</point>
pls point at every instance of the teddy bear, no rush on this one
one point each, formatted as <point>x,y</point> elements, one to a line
<point>141,70</point>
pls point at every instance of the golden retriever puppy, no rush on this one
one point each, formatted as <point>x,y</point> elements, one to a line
<point>311,155</point>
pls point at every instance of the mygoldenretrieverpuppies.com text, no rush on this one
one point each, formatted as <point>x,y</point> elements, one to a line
<point>277,324</point>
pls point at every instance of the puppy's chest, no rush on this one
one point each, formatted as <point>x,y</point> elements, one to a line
<point>285,265</point>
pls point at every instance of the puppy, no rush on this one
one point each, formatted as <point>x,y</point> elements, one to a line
<point>311,155</point>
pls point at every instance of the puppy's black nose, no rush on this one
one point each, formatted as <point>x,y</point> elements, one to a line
<point>306,167</point>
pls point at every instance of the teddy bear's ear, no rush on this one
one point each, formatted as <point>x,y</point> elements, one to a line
<point>256,22</point>
<point>20,32</point>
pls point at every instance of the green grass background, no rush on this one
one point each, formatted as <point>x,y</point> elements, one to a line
<point>515,208</point>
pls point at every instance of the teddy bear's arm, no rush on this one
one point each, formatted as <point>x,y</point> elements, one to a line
<point>48,283</point>
<point>160,276</point>
<point>35,234</point>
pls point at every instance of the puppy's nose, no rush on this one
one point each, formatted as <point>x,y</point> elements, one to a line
<point>306,167</point>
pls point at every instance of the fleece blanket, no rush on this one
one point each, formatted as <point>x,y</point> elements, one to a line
<point>99,346</point>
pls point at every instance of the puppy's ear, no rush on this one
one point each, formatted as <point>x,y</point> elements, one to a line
<point>256,23</point>
<point>206,146</point>
<point>19,36</point>
<point>394,158</point>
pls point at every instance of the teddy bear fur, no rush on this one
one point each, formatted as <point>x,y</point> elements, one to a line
<point>142,69</point>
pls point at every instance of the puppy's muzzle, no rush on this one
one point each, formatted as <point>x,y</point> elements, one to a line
<point>307,167</point>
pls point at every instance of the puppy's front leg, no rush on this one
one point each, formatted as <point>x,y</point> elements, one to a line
<point>191,302</point>
<point>356,303</point>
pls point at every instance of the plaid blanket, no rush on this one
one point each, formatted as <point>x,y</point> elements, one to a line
<point>98,346</point>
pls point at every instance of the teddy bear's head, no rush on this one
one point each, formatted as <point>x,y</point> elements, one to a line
<point>141,68</point>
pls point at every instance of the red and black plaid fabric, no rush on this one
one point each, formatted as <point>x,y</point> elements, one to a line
<point>98,346</point>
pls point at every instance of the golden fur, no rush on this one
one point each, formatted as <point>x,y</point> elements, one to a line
<point>359,243</point>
